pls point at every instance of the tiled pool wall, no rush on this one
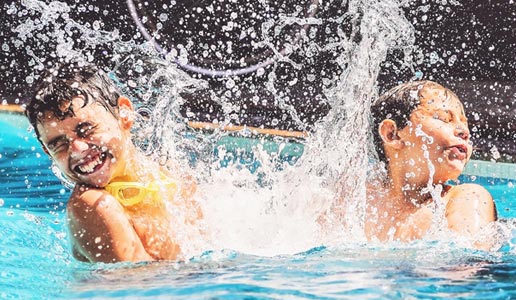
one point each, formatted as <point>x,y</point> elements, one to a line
<point>491,169</point>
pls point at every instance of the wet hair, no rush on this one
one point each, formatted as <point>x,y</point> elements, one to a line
<point>58,85</point>
<point>397,104</point>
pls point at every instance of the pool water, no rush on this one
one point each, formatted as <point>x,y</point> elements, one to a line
<point>36,262</point>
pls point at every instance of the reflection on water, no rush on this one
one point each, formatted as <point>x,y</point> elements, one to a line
<point>420,271</point>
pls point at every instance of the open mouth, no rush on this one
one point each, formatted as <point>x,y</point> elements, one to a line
<point>91,164</point>
<point>459,151</point>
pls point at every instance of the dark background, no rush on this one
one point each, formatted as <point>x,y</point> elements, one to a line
<point>468,46</point>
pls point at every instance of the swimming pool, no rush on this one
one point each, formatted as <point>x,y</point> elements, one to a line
<point>36,263</point>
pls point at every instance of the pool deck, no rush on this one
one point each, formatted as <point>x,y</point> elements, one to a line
<point>11,108</point>
<point>205,126</point>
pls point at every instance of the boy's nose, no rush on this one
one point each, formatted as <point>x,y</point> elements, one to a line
<point>78,146</point>
<point>462,132</point>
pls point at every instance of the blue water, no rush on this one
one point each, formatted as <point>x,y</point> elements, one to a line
<point>36,262</point>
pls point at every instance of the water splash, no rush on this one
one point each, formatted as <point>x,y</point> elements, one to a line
<point>379,26</point>
<point>276,208</point>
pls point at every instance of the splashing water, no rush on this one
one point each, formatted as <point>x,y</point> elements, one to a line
<point>380,27</point>
<point>284,217</point>
<point>279,208</point>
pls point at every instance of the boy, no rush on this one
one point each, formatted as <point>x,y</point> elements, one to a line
<point>118,208</point>
<point>421,134</point>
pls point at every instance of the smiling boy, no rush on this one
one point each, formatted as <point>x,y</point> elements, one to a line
<point>120,207</point>
<point>421,134</point>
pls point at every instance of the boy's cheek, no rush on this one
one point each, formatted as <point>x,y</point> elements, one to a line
<point>62,166</point>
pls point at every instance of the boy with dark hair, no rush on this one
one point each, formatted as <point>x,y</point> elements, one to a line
<point>421,134</point>
<point>120,207</point>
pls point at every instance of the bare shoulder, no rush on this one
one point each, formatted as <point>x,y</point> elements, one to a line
<point>470,197</point>
<point>470,188</point>
<point>469,211</point>
<point>86,201</point>
<point>100,229</point>
<point>83,195</point>
<point>470,193</point>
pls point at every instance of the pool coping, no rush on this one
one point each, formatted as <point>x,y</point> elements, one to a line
<point>11,108</point>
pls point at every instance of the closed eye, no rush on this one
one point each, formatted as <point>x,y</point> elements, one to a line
<point>443,115</point>
<point>85,129</point>
<point>58,144</point>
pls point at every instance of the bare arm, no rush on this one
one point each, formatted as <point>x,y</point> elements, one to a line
<point>100,229</point>
<point>470,208</point>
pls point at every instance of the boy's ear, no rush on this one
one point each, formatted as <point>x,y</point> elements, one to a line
<point>125,112</point>
<point>389,133</point>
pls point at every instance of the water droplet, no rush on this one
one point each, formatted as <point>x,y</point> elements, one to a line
<point>230,83</point>
<point>163,17</point>
<point>434,57</point>
<point>452,60</point>
<point>495,153</point>
<point>96,25</point>
<point>292,82</point>
<point>131,83</point>
<point>410,175</point>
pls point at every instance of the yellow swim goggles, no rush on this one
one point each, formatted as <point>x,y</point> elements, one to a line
<point>131,193</point>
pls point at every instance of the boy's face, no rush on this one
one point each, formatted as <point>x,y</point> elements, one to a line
<point>439,129</point>
<point>88,147</point>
